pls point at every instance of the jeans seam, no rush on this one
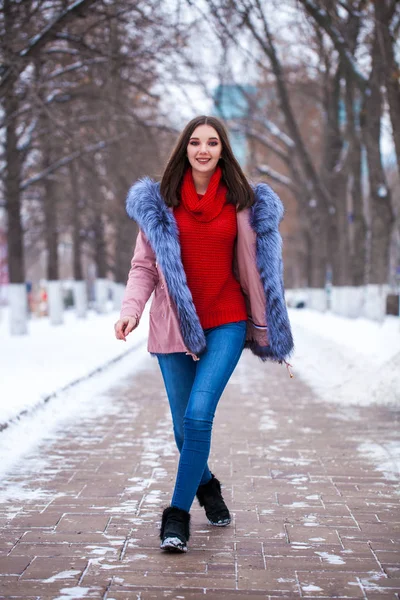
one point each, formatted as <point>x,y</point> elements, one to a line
<point>222,386</point>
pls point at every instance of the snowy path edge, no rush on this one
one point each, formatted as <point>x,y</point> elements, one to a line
<point>27,412</point>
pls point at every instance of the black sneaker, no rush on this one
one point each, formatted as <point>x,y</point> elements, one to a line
<point>209,495</point>
<point>175,529</point>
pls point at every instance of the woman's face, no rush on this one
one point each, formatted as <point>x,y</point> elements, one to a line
<point>204,149</point>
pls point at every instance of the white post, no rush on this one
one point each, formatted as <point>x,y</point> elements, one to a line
<point>80,298</point>
<point>347,301</point>
<point>18,302</point>
<point>317,299</point>
<point>375,301</point>
<point>55,302</point>
<point>118,292</point>
<point>355,301</point>
<point>101,292</point>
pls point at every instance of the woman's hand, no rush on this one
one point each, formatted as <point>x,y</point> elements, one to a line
<point>124,326</point>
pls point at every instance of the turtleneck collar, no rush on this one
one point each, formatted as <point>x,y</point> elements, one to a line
<point>212,202</point>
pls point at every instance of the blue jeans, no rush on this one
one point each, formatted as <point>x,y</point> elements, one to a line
<point>194,389</point>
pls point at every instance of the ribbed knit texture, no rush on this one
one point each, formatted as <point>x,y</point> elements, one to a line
<point>207,253</point>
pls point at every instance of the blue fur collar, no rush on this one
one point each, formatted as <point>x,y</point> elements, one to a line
<point>146,206</point>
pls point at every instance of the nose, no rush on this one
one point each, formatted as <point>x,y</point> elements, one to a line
<point>203,149</point>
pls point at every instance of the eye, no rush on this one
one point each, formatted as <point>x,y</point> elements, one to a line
<point>195,143</point>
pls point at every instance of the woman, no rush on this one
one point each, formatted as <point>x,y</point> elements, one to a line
<point>209,247</point>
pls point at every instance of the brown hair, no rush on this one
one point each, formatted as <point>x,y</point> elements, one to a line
<point>239,192</point>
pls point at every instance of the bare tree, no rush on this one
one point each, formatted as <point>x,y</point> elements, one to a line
<point>78,99</point>
<point>381,218</point>
<point>350,103</point>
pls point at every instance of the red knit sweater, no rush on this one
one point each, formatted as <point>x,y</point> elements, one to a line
<point>207,256</point>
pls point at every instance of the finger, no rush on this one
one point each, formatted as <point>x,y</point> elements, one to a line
<point>119,333</point>
<point>129,328</point>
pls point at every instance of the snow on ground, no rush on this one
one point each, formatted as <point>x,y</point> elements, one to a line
<point>39,365</point>
<point>91,397</point>
<point>347,361</point>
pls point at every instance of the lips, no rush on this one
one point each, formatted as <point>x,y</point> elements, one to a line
<point>203,161</point>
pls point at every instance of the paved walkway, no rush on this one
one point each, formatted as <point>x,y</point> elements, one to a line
<point>312,516</point>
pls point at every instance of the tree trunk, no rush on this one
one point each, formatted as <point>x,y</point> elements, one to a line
<point>125,243</point>
<point>381,214</point>
<point>308,257</point>
<point>319,251</point>
<point>100,255</point>
<point>358,227</point>
<point>16,267</point>
<point>126,229</point>
<point>335,183</point>
<point>391,70</point>
<point>51,233</point>
<point>50,188</point>
<point>12,181</point>
<point>76,229</point>
<point>339,250</point>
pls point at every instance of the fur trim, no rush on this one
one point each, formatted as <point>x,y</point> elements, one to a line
<point>146,206</point>
<point>265,217</point>
<point>209,495</point>
<point>212,487</point>
<point>182,517</point>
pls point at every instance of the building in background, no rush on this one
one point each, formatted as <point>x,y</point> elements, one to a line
<point>232,104</point>
<point>235,104</point>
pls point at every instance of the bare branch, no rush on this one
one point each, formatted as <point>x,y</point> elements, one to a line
<point>277,177</point>
<point>323,19</point>
<point>38,41</point>
<point>26,138</point>
<point>90,149</point>
<point>276,132</point>
<point>74,67</point>
<point>270,144</point>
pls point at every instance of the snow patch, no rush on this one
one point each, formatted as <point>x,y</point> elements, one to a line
<point>74,593</point>
<point>385,456</point>
<point>63,575</point>
<point>100,550</point>
<point>347,361</point>
<point>332,559</point>
<point>311,588</point>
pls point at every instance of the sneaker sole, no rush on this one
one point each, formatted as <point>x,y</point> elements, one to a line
<point>173,545</point>
<point>223,524</point>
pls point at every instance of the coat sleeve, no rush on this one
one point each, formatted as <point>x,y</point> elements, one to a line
<point>142,278</point>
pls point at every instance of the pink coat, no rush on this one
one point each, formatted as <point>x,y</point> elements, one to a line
<point>257,265</point>
<point>145,276</point>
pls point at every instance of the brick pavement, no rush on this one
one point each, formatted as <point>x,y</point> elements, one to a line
<point>312,516</point>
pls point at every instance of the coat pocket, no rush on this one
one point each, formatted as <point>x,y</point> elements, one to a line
<point>159,298</point>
